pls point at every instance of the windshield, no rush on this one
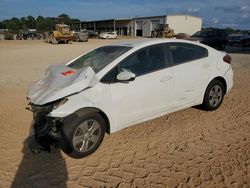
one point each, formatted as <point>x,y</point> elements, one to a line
<point>65,30</point>
<point>198,34</point>
<point>99,58</point>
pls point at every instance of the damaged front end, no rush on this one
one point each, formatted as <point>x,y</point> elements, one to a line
<point>45,134</point>
<point>46,95</point>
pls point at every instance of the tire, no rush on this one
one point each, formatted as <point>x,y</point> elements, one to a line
<point>214,95</point>
<point>77,138</point>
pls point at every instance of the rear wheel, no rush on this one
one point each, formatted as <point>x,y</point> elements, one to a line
<point>82,136</point>
<point>214,95</point>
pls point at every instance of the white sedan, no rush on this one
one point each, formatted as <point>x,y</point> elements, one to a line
<point>108,35</point>
<point>122,84</point>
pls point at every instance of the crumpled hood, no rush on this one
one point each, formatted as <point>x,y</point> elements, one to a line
<point>60,81</point>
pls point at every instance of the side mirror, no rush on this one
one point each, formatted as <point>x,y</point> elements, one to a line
<point>125,76</point>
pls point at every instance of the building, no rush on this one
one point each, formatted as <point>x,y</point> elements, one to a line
<point>119,25</point>
<point>143,26</point>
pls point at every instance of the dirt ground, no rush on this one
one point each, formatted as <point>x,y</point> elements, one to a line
<point>184,149</point>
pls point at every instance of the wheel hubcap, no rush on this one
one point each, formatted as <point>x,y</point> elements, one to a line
<point>215,95</point>
<point>86,136</point>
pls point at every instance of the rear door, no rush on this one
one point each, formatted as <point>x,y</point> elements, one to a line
<point>191,69</point>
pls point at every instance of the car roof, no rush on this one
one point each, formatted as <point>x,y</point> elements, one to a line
<point>147,41</point>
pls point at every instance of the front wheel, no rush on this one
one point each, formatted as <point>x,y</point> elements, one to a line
<point>82,136</point>
<point>214,95</point>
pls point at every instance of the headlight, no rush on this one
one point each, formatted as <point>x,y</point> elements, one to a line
<point>60,103</point>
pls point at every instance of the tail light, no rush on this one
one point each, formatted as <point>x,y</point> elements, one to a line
<point>227,58</point>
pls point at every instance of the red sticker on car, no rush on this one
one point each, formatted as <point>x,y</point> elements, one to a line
<point>67,73</point>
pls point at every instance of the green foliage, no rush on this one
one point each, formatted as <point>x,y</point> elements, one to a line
<point>31,22</point>
<point>40,23</point>
<point>13,24</point>
<point>63,18</point>
<point>23,22</point>
<point>2,25</point>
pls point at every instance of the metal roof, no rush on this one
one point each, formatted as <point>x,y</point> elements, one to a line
<point>139,18</point>
<point>114,19</point>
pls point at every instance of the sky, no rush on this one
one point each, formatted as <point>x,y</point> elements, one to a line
<point>214,13</point>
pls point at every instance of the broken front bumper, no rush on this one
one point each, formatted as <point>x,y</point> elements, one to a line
<point>46,130</point>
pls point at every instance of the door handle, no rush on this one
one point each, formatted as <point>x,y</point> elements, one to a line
<point>165,78</point>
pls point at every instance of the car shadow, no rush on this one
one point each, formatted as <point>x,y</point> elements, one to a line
<point>40,170</point>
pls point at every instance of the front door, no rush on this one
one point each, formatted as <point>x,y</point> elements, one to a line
<point>151,93</point>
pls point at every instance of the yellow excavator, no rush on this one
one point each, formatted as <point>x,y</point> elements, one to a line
<point>163,32</point>
<point>61,34</point>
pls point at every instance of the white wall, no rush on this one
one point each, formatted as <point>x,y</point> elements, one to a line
<point>179,23</point>
<point>184,24</point>
<point>146,28</point>
<point>145,24</point>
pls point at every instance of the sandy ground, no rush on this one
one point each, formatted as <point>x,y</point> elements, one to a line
<point>184,149</point>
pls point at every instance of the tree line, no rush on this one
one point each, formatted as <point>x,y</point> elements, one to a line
<point>41,24</point>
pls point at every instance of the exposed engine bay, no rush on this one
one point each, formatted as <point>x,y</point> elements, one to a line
<point>46,130</point>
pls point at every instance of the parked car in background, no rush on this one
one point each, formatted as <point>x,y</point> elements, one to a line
<point>108,35</point>
<point>240,39</point>
<point>120,85</point>
<point>8,35</point>
<point>19,36</point>
<point>92,34</point>
<point>213,37</point>
<point>182,36</point>
<point>80,36</point>
<point>246,41</point>
<point>30,35</point>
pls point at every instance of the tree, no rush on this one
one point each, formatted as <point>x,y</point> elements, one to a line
<point>230,31</point>
<point>75,24</point>
<point>63,18</point>
<point>13,24</point>
<point>41,24</point>
<point>50,24</point>
<point>5,22</point>
<point>23,22</point>
<point>31,22</point>
<point>2,25</point>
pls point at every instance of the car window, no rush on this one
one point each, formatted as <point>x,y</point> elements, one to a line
<point>197,34</point>
<point>145,60</point>
<point>184,52</point>
<point>99,58</point>
<point>141,62</point>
